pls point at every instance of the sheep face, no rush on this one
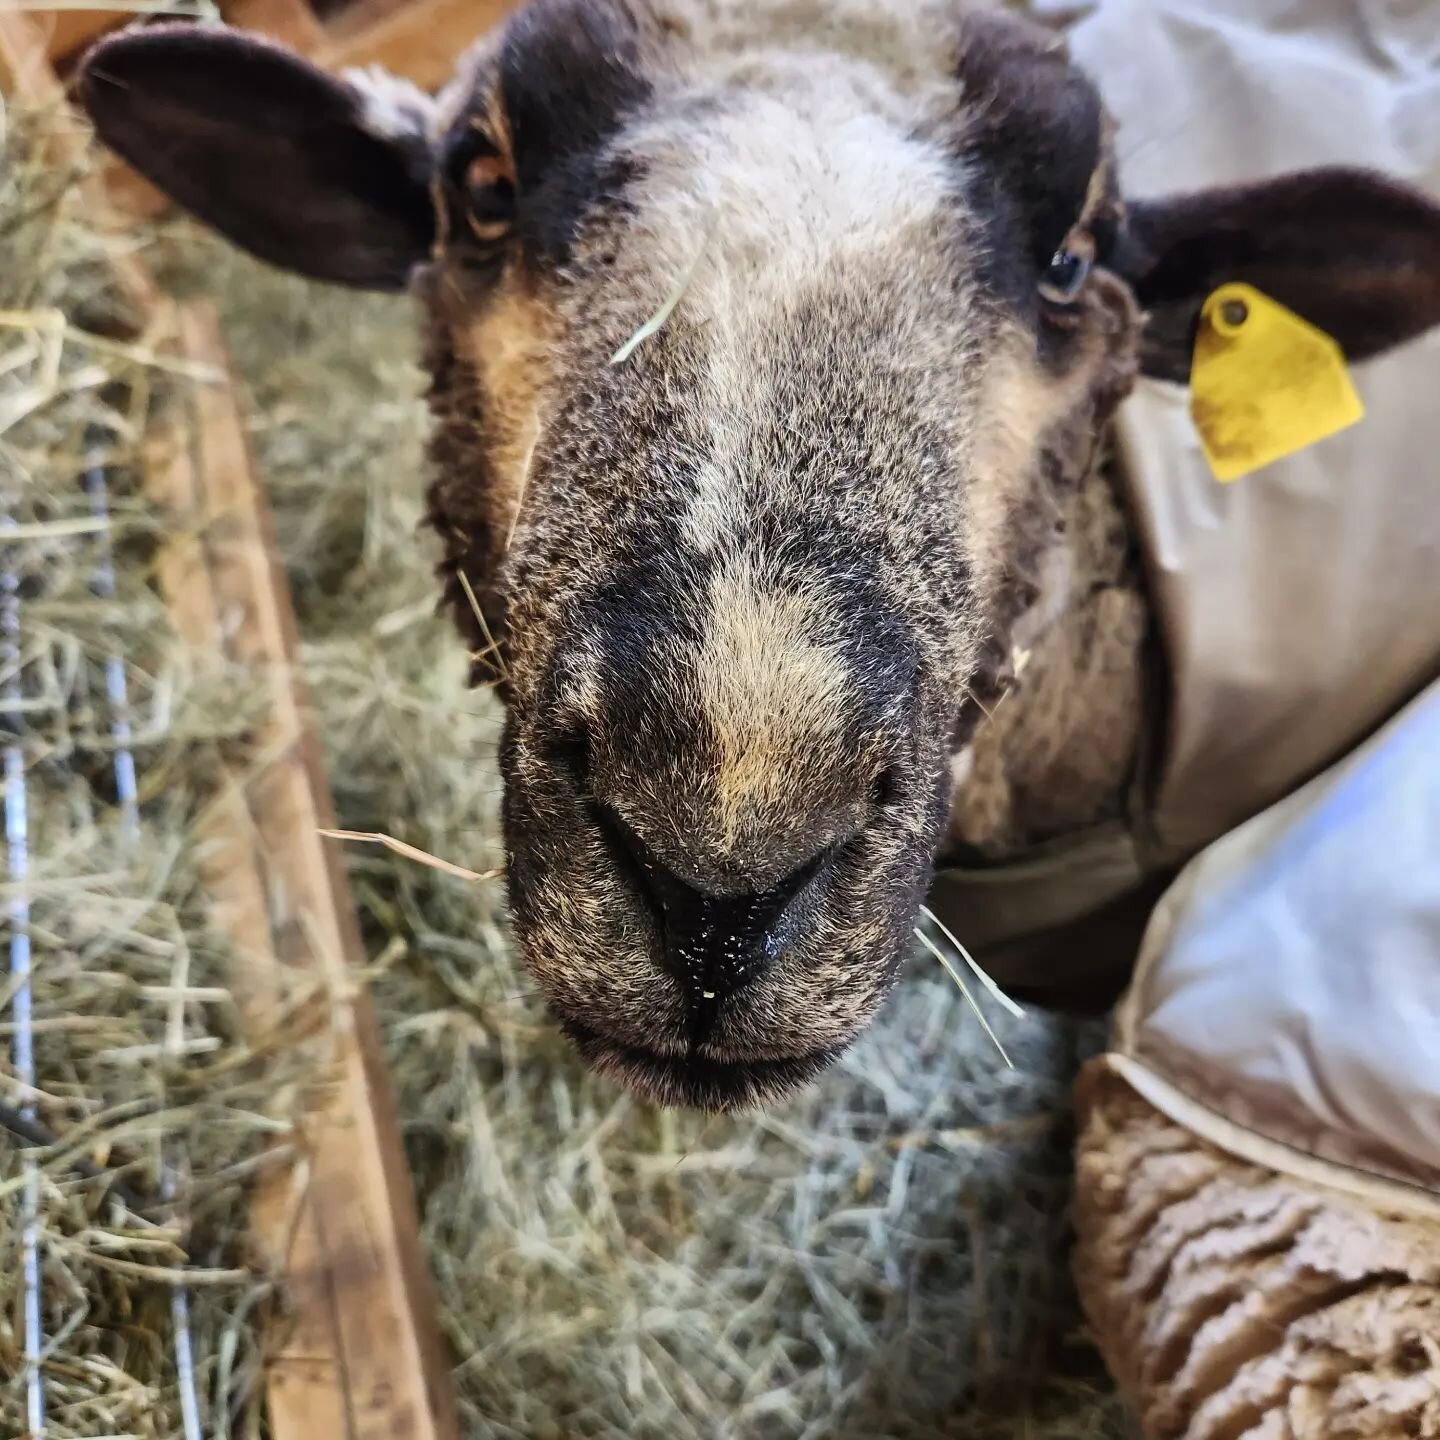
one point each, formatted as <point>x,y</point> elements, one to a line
<point>743,352</point>
<point>753,328</point>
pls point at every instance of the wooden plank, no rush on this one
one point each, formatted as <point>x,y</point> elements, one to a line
<point>420,41</point>
<point>366,1234</point>
<point>234,887</point>
<point>359,16</point>
<point>304,1374</point>
<point>291,22</point>
<point>306,1391</point>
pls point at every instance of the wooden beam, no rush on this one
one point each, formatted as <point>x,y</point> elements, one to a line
<point>291,22</point>
<point>358,16</point>
<point>358,1248</point>
<point>304,1372</point>
<point>421,40</point>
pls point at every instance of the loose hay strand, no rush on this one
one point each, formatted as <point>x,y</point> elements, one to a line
<point>964,989</point>
<point>667,306</point>
<point>492,646</point>
<point>523,487</point>
<point>412,852</point>
<point>995,991</point>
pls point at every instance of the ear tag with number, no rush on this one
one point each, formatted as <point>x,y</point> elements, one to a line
<point>1264,383</point>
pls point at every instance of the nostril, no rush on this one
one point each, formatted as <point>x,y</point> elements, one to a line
<point>630,854</point>
<point>885,788</point>
<point>569,752</point>
<point>791,886</point>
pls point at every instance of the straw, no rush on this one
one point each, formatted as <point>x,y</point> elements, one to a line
<point>964,989</point>
<point>667,305</point>
<point>995,991</point>
<point>111,739</point>
<point>411,852</point>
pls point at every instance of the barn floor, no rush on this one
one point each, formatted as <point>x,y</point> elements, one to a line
<point>884,1257</point>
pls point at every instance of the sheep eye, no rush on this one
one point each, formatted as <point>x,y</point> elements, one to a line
<point>1065,276</point>
<point>489,192</point>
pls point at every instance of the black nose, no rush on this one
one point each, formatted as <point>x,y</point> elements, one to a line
<point>714,945</point>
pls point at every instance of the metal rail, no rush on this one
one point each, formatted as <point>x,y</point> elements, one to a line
<point>127,794</point>
<point>17,866</point>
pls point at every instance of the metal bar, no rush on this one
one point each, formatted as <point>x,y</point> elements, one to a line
<point>17,861</point>
<point>183,1344</point>
<point>127,793</point>
<point>116,687</point>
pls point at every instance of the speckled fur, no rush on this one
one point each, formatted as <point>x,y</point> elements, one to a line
<point>741,588</point>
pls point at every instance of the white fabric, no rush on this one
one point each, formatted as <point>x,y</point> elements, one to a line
<point>1211,92</point>
<point>1291,979</point>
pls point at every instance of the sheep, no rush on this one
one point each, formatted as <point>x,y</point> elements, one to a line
<point>751,585</point>
<point>774,346</point>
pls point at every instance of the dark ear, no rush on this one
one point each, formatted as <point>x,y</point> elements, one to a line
<point>1350,251</point>
<point>306,171</point>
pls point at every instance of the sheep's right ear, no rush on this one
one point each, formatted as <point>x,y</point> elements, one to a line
<point>1348,250</point>
<point>293,165</point>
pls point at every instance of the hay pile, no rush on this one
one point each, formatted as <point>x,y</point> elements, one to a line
<point>138,1065</point>
<point>884,1257</point>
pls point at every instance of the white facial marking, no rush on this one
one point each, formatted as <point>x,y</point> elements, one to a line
<point>797,175</point>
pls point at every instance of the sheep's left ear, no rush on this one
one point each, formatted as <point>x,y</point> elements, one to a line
<point>327,177</point>
<point>1352,252</point>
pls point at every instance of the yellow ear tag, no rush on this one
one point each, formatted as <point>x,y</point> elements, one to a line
<point>1264,383</point>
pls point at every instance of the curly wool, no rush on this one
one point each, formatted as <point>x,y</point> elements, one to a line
<point>1234,1303</point>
